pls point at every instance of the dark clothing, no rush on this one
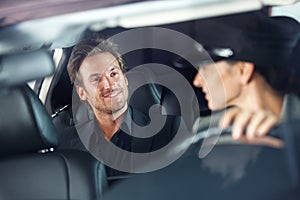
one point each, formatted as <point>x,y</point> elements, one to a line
<point>136,140</point>
<point>229,171</point>
<point>291,107</point>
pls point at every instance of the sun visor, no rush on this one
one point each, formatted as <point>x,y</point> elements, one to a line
<point>17,69</point>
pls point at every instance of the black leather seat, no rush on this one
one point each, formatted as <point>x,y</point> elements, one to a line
<point>143,92</point>
<point>30,167</point>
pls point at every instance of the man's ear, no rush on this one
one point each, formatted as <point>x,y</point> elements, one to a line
<point>126,80</point>
<point>81,93</point>
<point>246,70</point>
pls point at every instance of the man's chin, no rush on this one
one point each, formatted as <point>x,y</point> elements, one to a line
<point>113,109</point>
<point>119,111</point>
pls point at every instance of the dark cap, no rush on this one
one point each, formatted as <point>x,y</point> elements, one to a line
<point>253,37</point>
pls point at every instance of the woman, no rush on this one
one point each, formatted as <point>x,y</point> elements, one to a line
<point>250,72</point>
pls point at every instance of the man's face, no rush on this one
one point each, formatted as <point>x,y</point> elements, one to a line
<point>220,84</point>
<point>104,85</point>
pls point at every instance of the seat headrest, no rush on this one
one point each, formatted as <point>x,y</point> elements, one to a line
<point>25,125</point>
<point>143,91</point>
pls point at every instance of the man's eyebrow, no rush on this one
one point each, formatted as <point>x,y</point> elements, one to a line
<point>94,75</point>
<point>113,67</point>
<point>109,68</point>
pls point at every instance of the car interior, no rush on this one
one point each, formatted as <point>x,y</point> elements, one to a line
<point>41,155</point>
<point>60,99</point>
<point>28,170</point>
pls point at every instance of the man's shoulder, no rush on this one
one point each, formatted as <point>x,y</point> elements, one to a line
<point>144,119</point>
<point>139,117</point>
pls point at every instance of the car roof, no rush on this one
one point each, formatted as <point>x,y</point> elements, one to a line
<point>14,11</point>
<point>60,23</point>
<point>33,25</point>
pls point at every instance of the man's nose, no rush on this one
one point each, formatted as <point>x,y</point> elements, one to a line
<point>106,82</point>
<point>198,80</point>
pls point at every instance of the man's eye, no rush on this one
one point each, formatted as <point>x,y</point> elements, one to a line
<point>95,79</point>
<point>114,73</point>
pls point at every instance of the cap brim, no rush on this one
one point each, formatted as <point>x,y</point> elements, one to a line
<point>196,57</point>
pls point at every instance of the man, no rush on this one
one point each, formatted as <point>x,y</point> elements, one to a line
<point>250,72</point>
<point>113,135</point>
<point>100,81</point>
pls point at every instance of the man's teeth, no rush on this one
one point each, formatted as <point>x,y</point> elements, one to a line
<point>112,94</point>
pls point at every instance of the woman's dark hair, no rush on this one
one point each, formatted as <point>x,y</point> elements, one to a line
<point>282,79</point>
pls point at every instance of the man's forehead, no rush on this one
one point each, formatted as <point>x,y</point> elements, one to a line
<point>98,63</point>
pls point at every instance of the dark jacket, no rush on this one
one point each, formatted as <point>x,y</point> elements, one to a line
<point>121,151</point>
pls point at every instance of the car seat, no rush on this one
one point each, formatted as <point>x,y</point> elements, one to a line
<point>30,166</point>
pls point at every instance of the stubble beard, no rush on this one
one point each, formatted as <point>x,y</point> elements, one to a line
<point>111,109</point>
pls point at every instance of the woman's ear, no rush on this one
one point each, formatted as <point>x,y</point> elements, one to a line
<point>81,93</point>
<point>246,70</point>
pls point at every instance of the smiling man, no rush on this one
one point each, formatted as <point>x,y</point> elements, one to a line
<point>116,132</point>
<point>97,70</point>
<point>104,87</point>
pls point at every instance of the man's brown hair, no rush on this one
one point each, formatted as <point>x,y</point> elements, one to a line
<point>90,47</point>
